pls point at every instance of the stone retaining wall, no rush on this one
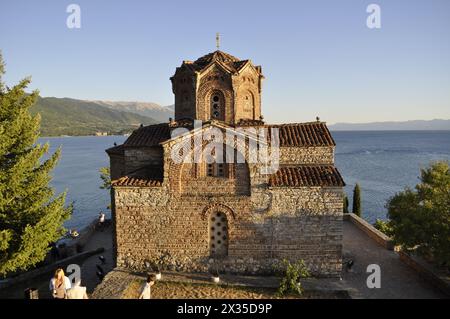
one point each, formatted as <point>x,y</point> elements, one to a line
<point>427,272</point>
<point>379,237</point>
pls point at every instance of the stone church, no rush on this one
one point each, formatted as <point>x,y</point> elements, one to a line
<point>219,215</point>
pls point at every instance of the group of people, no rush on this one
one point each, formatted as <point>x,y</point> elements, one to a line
<point>61,287</point>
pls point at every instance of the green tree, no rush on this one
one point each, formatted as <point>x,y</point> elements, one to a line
<point>31,216</point>
<point>383,226</point>
<point>345,204</point>
<point>105,176</point>
<point>357,200</point>
<point>420,217</point>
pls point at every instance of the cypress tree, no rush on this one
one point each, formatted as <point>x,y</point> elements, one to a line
<point>31,216</point>
<point>357,200</point>
<point>345,204</point>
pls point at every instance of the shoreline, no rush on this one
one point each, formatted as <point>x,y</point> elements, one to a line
<point>331,130</point>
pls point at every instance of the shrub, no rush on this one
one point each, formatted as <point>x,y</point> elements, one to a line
<point>290,283</point>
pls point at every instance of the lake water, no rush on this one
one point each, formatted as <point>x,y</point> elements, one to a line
<point>383,163</point>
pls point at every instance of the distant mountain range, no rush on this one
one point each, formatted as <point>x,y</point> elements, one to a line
<point>153,110</point>
<point>65,116</point>
<point>419,125</point>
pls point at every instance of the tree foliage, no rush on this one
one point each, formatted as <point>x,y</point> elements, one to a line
<point>293,272</point>
<point>105,176</point>
<point>357,200</point>
<point>383,226</point>
<point>345,211</point>
<point>420,217</point>
<point>31,217</point>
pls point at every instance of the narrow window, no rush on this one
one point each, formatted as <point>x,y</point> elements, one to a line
<point>218,232</point>
<point>210,170</point>
<point>216,170</point>
<point>217,106</point>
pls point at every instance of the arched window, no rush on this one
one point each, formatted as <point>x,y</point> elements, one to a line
<point>249,105</point>
<point>218,232</point>
<point>217,102</point>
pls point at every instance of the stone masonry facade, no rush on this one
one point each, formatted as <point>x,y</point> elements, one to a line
<point>231,217</point>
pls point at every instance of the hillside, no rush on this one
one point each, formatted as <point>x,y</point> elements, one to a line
<point>393,126</point>
<point>65,116</point>
<point>153,110</point>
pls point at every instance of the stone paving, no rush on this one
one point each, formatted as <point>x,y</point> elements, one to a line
<point>89,267</point>
<point>397,279</point>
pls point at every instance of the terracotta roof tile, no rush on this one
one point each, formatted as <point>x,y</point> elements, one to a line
<point>150,135</point>
<point>295,134</point>
<point>136,181</point>
<point>227,59</point>
<point>250,122</point>
<point>149,176</point>
<point>305,176</point>
<point>304,134</point>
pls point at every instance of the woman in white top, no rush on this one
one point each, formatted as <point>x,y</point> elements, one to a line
<point>59,284</point>
<point>146,290</point>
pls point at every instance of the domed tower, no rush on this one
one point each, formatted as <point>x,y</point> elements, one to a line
<point>218,86</point>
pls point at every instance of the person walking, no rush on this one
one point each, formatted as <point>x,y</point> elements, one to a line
<point>146,290</point>
<point>59,284</point>
<point>77,291</point>
<point>101,221</point>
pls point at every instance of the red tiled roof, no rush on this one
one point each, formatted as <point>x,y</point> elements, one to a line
<point>232,63</point>
<point>304,134</point>
<point>250,122</point>
<point>147,176</point>
<point>136,181</point>
<point>305,176</point>
<point>150,135</point>
<point>294,135</point>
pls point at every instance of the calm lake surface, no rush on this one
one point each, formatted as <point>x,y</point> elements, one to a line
<point>383,163</point>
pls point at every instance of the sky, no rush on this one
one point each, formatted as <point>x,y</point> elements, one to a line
<point>319,57</point>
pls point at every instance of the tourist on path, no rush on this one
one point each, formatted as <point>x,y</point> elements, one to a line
<point>59,284</point>
<point>101,221</point>
<point>77,291</point>
<point>146,290</point>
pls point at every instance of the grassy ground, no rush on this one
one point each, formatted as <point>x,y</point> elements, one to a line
<point>176,290</point>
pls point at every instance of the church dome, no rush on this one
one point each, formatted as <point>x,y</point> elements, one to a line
<point>232,62</point>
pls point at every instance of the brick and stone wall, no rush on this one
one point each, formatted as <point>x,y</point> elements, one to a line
<point>137,158</point>
<point>171,224</point>
<point>307,155</point>
<point>152,225</point>
<point>117,166</point>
